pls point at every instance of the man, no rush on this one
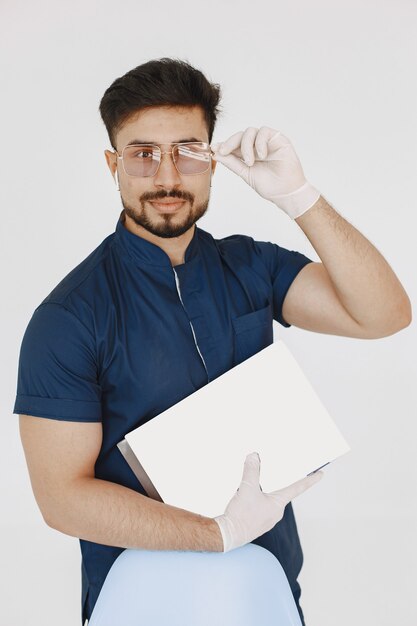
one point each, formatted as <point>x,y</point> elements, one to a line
<point>160,308</point>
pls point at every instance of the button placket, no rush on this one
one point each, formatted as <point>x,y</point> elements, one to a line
<point>177,282</point>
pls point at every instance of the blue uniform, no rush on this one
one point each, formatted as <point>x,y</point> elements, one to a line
<point>125,335</point>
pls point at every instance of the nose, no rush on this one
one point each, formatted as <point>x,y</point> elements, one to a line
<point>167,174</point>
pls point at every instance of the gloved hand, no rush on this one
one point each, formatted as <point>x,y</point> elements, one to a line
<point>272,168</point>
<point>251,512</point>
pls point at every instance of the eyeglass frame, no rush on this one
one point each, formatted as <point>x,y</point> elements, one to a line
<point>171,152</point>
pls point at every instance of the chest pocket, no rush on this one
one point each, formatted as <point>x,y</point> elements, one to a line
<point>252,332</point>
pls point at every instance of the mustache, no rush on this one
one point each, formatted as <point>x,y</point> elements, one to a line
<point>171,194</point>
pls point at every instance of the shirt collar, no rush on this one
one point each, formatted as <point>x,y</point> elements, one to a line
<point>144,251</point>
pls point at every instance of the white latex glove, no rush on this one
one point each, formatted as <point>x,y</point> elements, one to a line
<point>251,512</point>
<point>270,166</point>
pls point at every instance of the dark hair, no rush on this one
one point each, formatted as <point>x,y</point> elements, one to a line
<point>159,82</point>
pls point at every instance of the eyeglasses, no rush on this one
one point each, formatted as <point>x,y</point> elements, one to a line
<point>144,159</point>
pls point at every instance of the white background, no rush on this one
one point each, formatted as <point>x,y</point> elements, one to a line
<point>337,78</point>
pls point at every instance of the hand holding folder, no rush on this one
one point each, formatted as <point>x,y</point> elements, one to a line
<point>251,512</point>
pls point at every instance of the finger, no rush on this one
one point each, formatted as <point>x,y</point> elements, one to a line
<point>277,140</point>
<point>251,469</point>
<point>261,143</point>
<point>231,144</point>
<point>297,488</point>
<point>246,145</point>
<point>235,164</point>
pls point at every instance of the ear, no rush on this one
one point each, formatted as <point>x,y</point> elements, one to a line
<point>111,158</point>
<point>213,165</point>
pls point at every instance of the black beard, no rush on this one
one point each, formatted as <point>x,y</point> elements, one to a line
<point>167,229</point>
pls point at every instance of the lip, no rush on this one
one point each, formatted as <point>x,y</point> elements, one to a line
<point>168,207</point>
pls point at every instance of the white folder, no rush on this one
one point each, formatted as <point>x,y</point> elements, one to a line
<point>192,455</point>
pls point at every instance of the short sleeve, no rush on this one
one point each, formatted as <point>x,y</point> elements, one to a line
<point>283,266</point>
<point>57,371</point>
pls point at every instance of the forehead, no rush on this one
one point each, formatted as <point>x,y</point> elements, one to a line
<point>164,125</point>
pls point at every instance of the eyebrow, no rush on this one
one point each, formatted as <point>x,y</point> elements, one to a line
<point>189,140</point>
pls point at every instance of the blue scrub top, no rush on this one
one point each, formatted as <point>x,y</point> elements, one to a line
<point>125,335</point>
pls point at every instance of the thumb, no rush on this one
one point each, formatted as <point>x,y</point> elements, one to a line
<point>297,488</point>
<point>251,469</point>
<point>234,164</point>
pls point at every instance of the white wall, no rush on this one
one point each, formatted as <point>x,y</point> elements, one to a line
<point>339,79</point>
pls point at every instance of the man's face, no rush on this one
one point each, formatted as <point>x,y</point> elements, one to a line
<point>163,126</point>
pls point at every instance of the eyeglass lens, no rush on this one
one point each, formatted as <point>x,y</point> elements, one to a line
<point>143,160</point>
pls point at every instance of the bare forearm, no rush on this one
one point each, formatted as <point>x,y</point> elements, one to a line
<point>110,514</point>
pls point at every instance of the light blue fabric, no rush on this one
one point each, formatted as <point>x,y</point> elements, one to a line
<point>244,587</point>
